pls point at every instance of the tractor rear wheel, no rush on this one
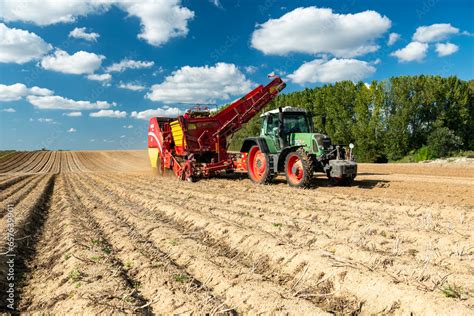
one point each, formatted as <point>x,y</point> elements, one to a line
<point>258,166</point>
<point>298,169</point>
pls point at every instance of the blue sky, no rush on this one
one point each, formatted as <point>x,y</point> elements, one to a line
<point>170,53</point>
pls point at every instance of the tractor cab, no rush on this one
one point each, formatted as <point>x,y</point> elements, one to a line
<point>292,127</point>
<point>294,121</point>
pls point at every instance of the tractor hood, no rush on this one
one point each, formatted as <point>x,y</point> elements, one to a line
<point>315,143</point>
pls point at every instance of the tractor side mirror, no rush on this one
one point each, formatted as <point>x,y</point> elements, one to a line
<point>323,120</point>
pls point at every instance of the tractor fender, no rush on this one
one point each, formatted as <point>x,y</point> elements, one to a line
<point>282,156</point>
<point>251,141</point>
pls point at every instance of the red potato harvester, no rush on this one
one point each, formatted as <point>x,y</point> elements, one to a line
<point>194,145</point>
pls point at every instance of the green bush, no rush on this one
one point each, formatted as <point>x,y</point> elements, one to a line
<point>416,155</point>
<point>442,141</point>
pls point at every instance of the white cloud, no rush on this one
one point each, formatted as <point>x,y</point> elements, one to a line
<point>79,63</point>
<point>217,3</point>
<point>393,38</point>
<point>122,136</point>
<point>250,69</point>
<point>17,91</point>
<point>201,84</point>
<point>72,130</point>
<point>101,77</point>
<point>129,64</point>
<point>9,110</point>
<point>46,120</point>
<point>446,49</point>
<point>46,12</point>
<point>315,30</point>
<point>109,113</point>
<point>145,115</point>
<point>128,126</point>
<point>160,20</point>
<point>414,51</point>
<point>80,32</point>
<point>20,46</point>
<point>329,71</point>
<point>131,86</point>
<point>54,102</point>
<point>73,114</point>
<point>160,70</point>
<point>434,32</point>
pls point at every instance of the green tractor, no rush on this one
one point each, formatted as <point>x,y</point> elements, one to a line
<point>289,145</point>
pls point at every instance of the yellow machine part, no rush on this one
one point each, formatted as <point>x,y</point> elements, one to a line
<point>177,132</point>
<point>153,154</point>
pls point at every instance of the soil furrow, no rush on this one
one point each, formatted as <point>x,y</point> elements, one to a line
<point>18,160</point>
<point>15,197</point>
<point>12,180</point>
<point>85,273</point>
<point>173,290</point>
<point>96,233</point>
<point>393,249</point>
<point>15,187</point>
<point>26,223</point>
<point>258,244</point>
<point>229,277</point>
<point>25,165</point>
<point>35,162</point>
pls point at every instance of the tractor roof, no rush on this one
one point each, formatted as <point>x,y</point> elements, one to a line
<point>285,109</point>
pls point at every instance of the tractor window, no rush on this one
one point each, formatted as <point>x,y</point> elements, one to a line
<point>272,125</point>
<point>296,123</point>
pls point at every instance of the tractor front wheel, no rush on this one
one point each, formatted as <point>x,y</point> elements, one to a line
<point>298,169</point>
<point>258,166</point>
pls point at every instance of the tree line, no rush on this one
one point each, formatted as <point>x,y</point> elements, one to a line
<point>420,117</point>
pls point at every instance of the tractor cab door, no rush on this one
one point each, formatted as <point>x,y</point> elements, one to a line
<point>270,129</point>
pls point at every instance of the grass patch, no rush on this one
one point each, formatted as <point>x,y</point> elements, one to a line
<point>75,275</point>
<point>174,242</point>
<point>128,265</point>
<point>181,278</point>
<point>453,291</point>
<point>157,264</point>
<point>106,250</point>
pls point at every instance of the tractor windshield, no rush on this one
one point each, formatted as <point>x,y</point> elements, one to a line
<point>296,123</point>
<point>292,123</point>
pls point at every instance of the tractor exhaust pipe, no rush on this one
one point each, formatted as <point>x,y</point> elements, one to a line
<point>281,135</point>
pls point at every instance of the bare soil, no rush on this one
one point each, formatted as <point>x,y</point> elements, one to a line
<point>96,232</point>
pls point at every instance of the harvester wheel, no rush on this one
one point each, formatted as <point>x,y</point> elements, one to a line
<point>258,166</point>
<point>298,169</point>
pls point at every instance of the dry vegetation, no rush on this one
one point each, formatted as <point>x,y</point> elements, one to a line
<point>96,232</point>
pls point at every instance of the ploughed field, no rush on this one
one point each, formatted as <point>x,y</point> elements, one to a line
<point>95,231</point>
